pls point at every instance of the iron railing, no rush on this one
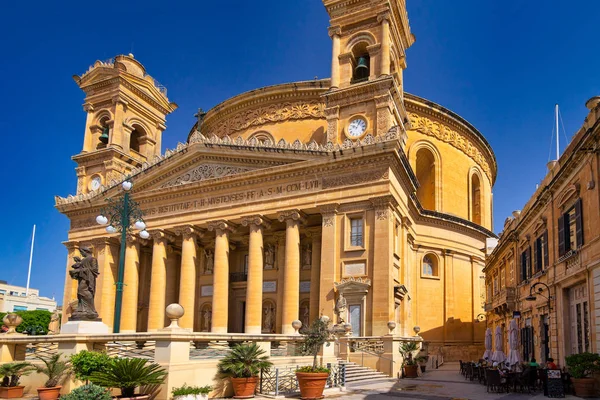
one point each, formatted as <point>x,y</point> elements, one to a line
<point>282,380</point>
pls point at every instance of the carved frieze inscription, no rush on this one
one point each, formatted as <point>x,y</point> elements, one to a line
<point>204,172</point>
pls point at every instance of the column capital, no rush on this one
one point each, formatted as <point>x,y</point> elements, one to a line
<point>295,215</point>
<point>132,239</point>
<point>161,235</point>
<point>188,231</point>
<point>257,220</point>
<point>104,240</point>
<point>384,16</point>
<point>71,245</point>
<point>334,30</point>
<point>221,226</point>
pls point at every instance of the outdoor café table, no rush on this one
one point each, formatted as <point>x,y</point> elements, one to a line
<point>511,379</point>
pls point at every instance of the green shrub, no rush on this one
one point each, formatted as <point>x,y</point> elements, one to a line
<point>88,392</point>
<point>86,362</point>
<point>311,369</point>
<point>583,365</point>
<point>186,390</point>
<point>128,374</point>
<point>12,372</point>
<point>35,322</point>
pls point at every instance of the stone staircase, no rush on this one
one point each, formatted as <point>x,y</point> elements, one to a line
<point>356,373</point>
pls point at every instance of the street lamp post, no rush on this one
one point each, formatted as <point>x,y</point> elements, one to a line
<point>533,297</point>
<point>120,214</point>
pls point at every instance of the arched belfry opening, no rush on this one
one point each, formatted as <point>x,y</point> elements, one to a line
<point>361,63</point>
<point>425,171</point>
<point>135,138</point>
<point>475,199</point>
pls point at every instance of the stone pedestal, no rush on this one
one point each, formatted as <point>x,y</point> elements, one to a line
<point>84,328</point>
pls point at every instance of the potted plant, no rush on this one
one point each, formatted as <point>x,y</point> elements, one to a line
<point>581,366</point>
<point>191,392</point>
<point>243,364</point>
<point>88,392</point>
<point>410,363</point>
<point>86,362</point>
<point>127,374</point>
<point>312,379</point>
<point>56,370</point>
<point>11,373</point>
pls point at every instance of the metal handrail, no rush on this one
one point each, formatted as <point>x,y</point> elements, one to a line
<point>351,346</point>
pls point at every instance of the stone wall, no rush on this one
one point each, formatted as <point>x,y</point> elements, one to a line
<point>458,352</point>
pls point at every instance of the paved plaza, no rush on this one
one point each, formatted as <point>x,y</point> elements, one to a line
<point>444,383</point>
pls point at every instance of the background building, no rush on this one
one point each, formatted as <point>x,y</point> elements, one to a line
<point>287,197</point>
<point>553,245</point>
<point>14,298</point>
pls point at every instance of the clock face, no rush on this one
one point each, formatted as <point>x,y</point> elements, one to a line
<point>96,182</point>
<point>357,127</point>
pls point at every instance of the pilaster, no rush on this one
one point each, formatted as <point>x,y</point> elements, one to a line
<point>329,259</point>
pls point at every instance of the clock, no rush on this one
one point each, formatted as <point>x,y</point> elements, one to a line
<point>96,183</point>
<point>356,128</point>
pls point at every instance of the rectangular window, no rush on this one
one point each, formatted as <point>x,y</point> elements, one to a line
<point>19,308</point>
<point>570,229</point>
<point>541,252</point>
<point>2,291</point>
<point>356,232</point>
<point>496,284</point>
<point>526,264</point>
<point>502,279</point>
<point>14,293</point>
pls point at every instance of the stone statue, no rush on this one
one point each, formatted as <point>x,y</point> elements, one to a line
<point>268,320</point>
<point>210,262</point>
<point>54,326</point>
<point>207,319</point>
<point>340,309</point>
<point>305,316</point>
<point>85,271</point>
<point>269,256</point>
<point>307,257</point>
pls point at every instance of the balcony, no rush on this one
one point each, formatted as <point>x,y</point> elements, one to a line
<point>504,301</point>
<point>487,307</point>
<point>238,277</point>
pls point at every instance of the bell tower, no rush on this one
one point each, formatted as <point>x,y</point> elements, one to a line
<point>369,38</point>
<point>126,110</point>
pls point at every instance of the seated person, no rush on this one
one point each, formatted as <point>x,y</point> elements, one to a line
<point>533,363</point>
<point>550,363</point>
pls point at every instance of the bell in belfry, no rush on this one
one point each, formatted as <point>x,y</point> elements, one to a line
<point>362,68</point>
<point>104,137</point>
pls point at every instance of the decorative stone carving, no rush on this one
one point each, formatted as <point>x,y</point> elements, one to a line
<point>355,179</point>
<point>221,225</point>
<point>428,127</point>
<point>269,256</point>
<point>257,220</point>
<point>204,172</point>
<point>209,265</point>
<point>295,215</point>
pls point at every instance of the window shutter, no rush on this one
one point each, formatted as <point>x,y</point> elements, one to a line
<point>579,223</point>
<point>528,255</point>
<point>546,254</point>
<point>523,266</point>
<point>535,256</point>
<point>561,236</point>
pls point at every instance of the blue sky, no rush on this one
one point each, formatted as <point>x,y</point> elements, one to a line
<point>500,65</point>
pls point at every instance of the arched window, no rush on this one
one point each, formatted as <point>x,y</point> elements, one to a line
<point>361,63</point>
<point>263,136</point>
<point>425,171</point>
<point>134,138</point>
<point>430,266</point>
<point>475,199</point>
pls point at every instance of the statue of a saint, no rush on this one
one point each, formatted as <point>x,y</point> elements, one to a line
<point>307,259</point>
<point>54,326</point>
<point>305,316</point>
<point>340,309</point>
<point>210,262</point>
<point>268,320</point>
<point>207,320</point>
<point>85,271</point>
<point>269,256</point>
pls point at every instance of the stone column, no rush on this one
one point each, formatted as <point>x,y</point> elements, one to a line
<point>187,279</point>
<point>72,251</point>
<point>329,254</point>
<point>448,279</point>
<point>315,272</point>
<point>116,139</point>
<point>383,265</point>
<point>385,43</point>
<point>334,33</point>
<point>130,288</point>
<point>254,288</point>
<point>291,274</point>
<point>158,279</point>
<point>220,304</point>
<point>107,264</point>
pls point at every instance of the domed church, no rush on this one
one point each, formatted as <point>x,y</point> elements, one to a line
<point>345,197</point>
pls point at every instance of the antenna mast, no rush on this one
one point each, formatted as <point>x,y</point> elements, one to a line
<point>557,135</point>
<point>30,260</point>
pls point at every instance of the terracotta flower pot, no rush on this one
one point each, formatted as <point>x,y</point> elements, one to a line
<point>312,384</point>
<point>51,393</point>
<point>584,387</point>
<point>136,397</point>
<point>411,371</point>
<point>14,392</point>
<point>244,388</point>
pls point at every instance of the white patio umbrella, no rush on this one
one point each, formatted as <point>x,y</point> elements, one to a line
<point>498,355</point>
<point>513,342</point>
<point>488,344</point>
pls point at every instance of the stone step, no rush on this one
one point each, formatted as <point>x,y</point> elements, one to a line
<point>357,373</point>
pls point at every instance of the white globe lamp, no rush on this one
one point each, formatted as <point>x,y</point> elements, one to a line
<point>101,220</point>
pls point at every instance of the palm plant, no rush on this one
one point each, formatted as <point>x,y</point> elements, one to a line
<point>11,373</point>
<point>407,350</point>
<point>244,361</point>
<point>54,368</point>
<point>129,373</point>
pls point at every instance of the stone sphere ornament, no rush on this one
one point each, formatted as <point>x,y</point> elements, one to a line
<point>296,324</point>
<point>391,326</point>
<point>417,329</point>
<point>348,329</point>
<point>12,320</point>
<point>174,312</point>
